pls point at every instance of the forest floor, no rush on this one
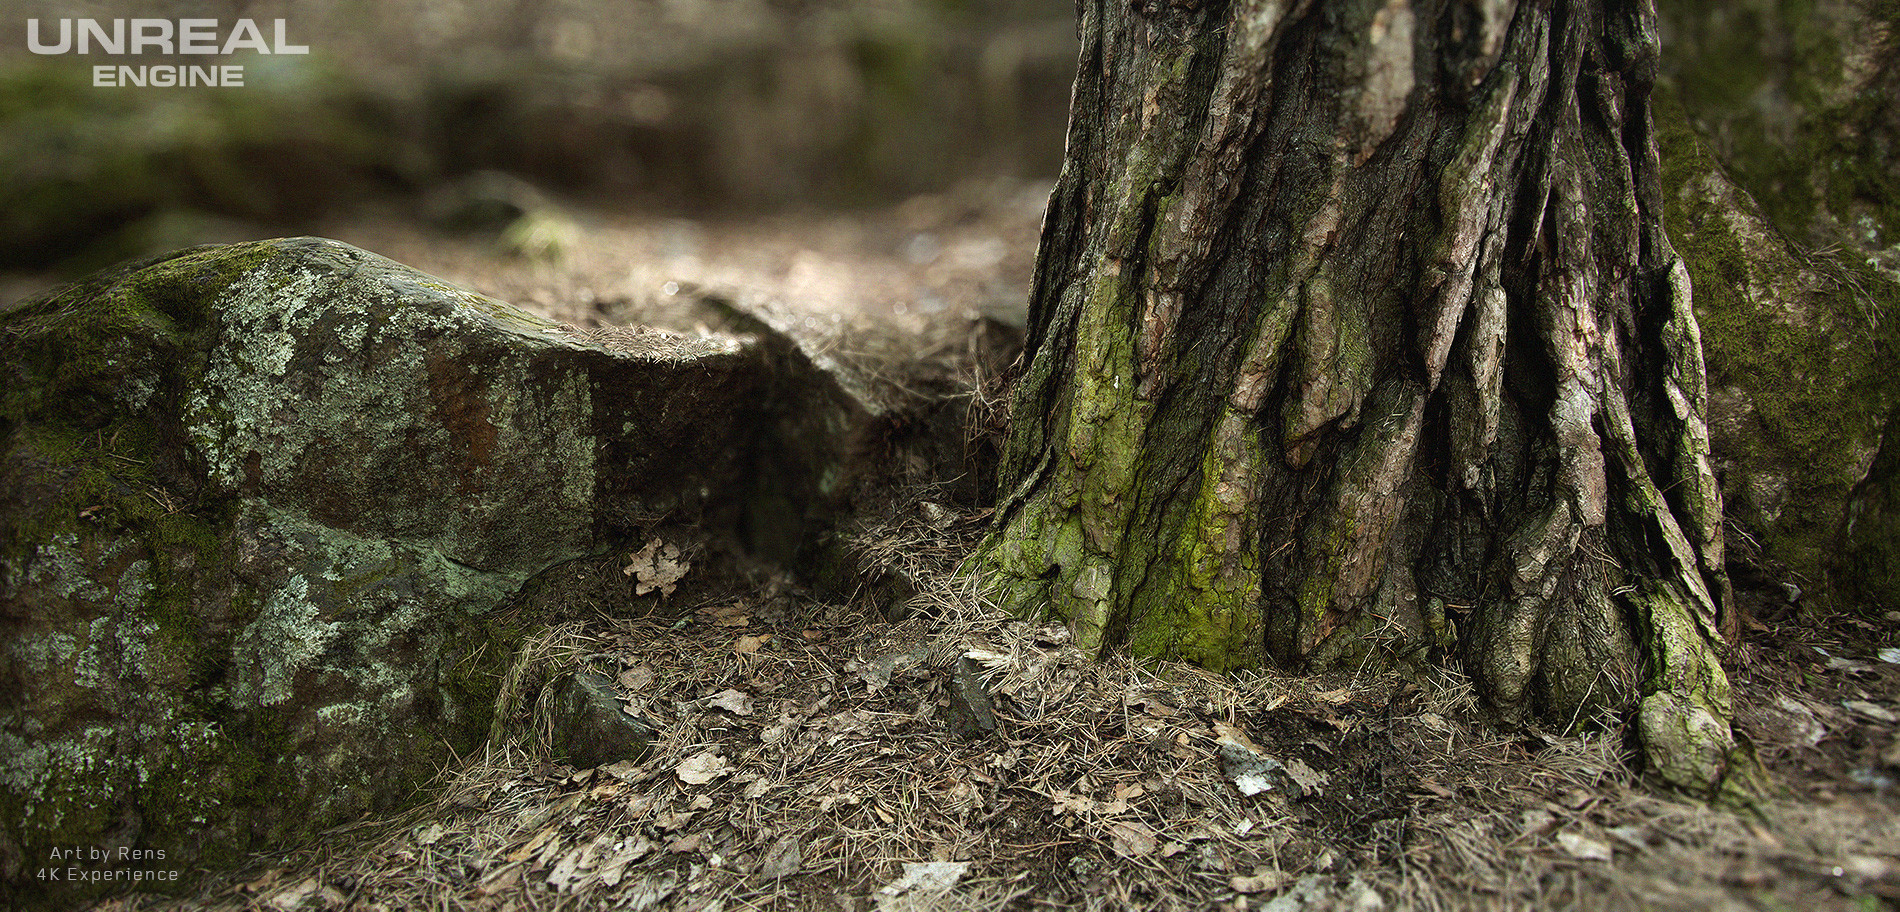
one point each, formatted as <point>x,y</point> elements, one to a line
<point>809,754</point>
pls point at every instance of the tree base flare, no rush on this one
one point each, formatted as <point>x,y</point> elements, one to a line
<point>1319,377</point>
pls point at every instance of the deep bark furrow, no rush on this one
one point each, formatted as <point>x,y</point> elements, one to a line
<point>1335,355</point>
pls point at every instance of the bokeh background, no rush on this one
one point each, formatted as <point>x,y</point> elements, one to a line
<point>457,117</point>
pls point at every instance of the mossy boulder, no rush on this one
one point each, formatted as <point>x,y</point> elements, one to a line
<point>1800,381</point>
<point>1800,100</point>
<point>1780,136</point>
<point>260,508</point>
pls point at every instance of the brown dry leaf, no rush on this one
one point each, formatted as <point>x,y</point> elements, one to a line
<point>1066,803</point>
<point>732,701</point>
<point>1234,736</point>
<point>1310,780</point>
<point>783,858</point>
<point>258,885</point>
<point>1584,848</point>
<point>779,730</point>
<point>702,768</point>
<point>749,645</point>
<point>292,898</point>
<point>574,870</point>
<point>1131,839</point>
<point>501,880</point>
<point>659,565</point>
<point>1262,880</point>
<point>533,845</point>
<point>729,616</point>
<point>624,770</point>
<point>615,867</point>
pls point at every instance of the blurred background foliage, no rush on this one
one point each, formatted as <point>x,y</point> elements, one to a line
<point>680,105</point>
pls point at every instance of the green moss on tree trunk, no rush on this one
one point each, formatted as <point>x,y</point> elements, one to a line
<point>1340,353</point>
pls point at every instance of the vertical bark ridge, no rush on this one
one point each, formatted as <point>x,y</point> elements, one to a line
<point>1341,349</point>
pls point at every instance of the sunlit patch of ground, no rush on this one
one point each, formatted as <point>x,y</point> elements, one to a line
<point>969,249</point>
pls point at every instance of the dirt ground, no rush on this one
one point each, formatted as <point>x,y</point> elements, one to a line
<point>813,755</point>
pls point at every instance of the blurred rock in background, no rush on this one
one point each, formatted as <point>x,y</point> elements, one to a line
<point>681,105</point>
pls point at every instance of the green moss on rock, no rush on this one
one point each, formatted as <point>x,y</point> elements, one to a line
<point>257,505</point>
<point>1799,383</point>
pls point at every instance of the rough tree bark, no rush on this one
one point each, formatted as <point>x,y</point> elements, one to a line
<point>1356,333</point>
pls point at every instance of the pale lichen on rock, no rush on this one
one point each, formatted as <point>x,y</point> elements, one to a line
<point>263,503</point>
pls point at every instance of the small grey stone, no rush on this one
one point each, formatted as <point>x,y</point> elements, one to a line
<point>590,729</point>
<point>971,713</point>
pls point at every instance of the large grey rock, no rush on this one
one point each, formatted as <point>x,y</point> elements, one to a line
<point>259,507</point>
<point>1800,378</point>
<point>1780,124</point>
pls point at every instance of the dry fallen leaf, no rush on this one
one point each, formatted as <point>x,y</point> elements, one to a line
<point>292,897</point>
<point>574,870</point>
<point>732,701</point>
<point>783,858</point>
<point>1067,803</point>
<point>1131,839</point>
<point>1233,736</point>
<point>1262,880</point>
<point>926,877</point>
<point>637,678</point>
<point>1310,780</point>
<point>501,880</point>
<point>659,565</point>
<point>615,867</point>
<point>533,845</point>
<point>729,616</point>
<point>702,768</point>
<point>1584,848</point>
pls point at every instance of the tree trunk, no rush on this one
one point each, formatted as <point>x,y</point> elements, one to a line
<point>1355,336</point>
